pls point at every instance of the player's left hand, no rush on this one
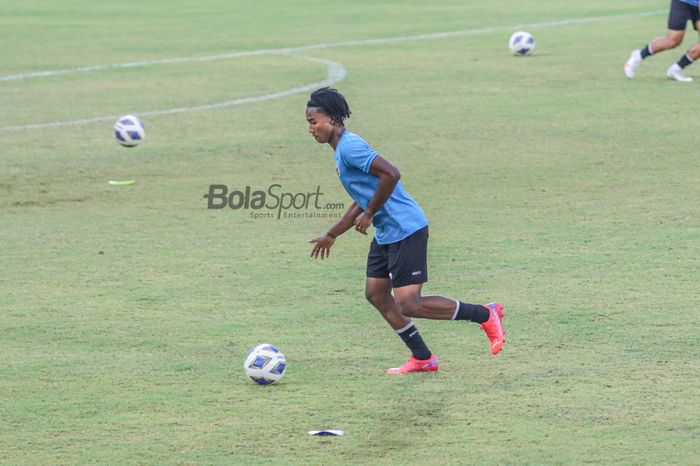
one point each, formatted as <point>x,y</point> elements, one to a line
<point>362,222</point>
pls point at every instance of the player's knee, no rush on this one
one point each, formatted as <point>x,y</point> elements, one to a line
<point>375,297</point>
<point>673,41</point>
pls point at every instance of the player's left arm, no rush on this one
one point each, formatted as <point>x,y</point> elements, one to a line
<point>388,176</point>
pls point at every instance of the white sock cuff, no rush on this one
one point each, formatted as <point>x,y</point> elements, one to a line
<point>651,50</point>
<point>689,59</point>
<point>454,316</point>
<point>401,330</point>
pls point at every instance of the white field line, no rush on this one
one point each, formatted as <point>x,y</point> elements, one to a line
<point>287,50</point>
<point>336,71</point>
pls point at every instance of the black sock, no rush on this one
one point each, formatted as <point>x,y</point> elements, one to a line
<point>474,312</point>
<point>645,52</point>
<point>684,61</point>
<point>414,341</point>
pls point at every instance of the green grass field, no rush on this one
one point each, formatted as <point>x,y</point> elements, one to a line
<point>552,184</point>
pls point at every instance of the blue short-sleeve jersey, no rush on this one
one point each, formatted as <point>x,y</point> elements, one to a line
<point>400,216</point>
<point>691,2</point>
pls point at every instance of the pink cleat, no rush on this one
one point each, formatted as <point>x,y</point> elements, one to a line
<point>494,327</point>
<point>416,365</point>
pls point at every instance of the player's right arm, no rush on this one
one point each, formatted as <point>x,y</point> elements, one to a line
<point>322,244</point>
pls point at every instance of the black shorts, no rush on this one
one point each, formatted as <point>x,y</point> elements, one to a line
<point>404,262</point>
<point>680,14</point>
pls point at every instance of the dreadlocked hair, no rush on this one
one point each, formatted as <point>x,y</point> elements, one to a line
<point>332,103</point>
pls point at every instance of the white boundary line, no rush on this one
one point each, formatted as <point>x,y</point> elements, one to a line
<point>336,71</point>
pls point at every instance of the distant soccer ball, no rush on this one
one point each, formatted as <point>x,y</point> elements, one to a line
<point>265,364</point>
<point>129,131</point>
<point>521,43</point>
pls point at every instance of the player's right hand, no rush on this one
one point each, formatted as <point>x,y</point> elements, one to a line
<point>322,245</point>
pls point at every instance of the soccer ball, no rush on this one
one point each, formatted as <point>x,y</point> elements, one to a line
<point>129,131</point>
<point>521,43</point>
<point>265,364</point>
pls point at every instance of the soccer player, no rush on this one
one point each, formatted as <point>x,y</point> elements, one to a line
<point>681,12</point>
<point>397,259</point>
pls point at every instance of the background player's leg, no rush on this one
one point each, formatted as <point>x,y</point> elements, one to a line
<point>672,40</point>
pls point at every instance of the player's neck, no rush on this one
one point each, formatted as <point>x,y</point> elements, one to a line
<point>337,133</point>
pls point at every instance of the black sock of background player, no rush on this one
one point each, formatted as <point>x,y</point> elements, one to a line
<point>684,61</point>
<point>409,334</point>
<point>645,52</point>
<point>473,312</point>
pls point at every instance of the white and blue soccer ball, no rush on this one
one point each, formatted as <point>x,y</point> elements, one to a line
<point>265,364</point>
<point>129,131</point>
<point>521,43</point>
